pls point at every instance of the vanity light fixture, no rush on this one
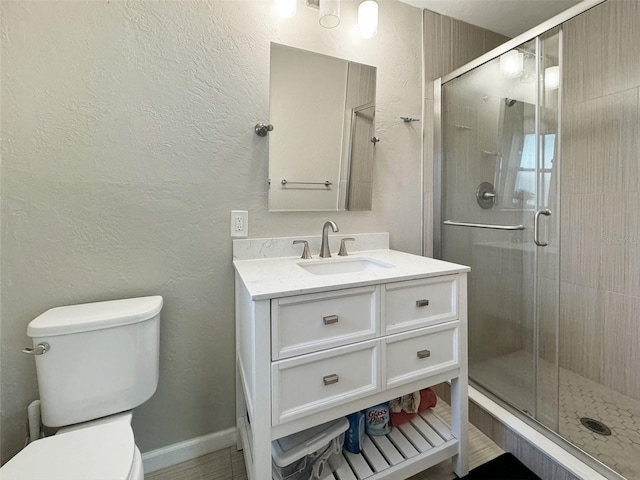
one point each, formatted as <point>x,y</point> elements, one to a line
<point>552,77</point>
<point>368,18</point>
<point>512,63</point>
<point>285,8</point>
<point>329,13</point>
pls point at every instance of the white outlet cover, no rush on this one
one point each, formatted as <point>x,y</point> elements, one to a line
<point>239,223</point>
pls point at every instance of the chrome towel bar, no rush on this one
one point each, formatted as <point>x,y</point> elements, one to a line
<point>326,183</point>
<point>483,225</point>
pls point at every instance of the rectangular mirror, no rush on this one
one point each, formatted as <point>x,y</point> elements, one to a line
<point>321,148</point>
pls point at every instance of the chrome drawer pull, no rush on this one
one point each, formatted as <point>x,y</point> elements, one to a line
<point>329,319</point>
<point>424,353</point>
<point>422,303</point>
<point>329,379</point>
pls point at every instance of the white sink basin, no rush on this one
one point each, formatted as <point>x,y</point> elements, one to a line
<point>343,265</point>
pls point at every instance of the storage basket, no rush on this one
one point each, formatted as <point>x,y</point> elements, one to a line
<point>308,455</point>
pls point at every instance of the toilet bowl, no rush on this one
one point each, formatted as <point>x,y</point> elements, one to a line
<point>106,355</point>
<point>97,451</point>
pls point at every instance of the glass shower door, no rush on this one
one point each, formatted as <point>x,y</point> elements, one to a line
<point>499,144</point>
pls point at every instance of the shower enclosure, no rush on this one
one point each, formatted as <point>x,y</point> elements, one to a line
<point>553,310</point>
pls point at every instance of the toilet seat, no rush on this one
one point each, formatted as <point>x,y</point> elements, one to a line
<point>100,452</point>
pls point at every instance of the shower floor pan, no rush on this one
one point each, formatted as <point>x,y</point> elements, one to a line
<point>579,397</point>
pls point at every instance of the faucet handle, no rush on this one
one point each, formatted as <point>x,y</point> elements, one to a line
<point>305,252</point>
<point>343,247</point>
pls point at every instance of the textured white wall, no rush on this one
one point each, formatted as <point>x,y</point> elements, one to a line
<point>127,137</point>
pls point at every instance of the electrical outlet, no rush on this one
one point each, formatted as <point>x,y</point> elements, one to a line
<point>239,223</point>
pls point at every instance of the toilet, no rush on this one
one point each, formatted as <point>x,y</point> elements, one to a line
<point>95,362</point>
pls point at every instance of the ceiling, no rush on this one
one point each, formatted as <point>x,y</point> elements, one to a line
<point>508,17</point>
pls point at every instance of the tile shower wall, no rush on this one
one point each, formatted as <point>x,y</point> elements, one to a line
<point>600,187</point>
<point>480,117</point>
<point>457,43</point>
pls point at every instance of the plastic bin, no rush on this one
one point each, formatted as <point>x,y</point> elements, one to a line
<point>309,454</point>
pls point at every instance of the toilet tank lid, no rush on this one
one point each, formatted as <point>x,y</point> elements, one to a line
<point>94,316</point>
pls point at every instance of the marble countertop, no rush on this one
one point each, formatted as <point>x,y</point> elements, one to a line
<point>267,278</point>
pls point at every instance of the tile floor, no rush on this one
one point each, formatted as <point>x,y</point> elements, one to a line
<point>578,397</point>
<point>581,397</point>
<point>228,464</point>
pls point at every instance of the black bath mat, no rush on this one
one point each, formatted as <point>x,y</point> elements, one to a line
<point>504,467</point>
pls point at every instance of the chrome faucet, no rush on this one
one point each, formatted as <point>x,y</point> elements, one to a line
<point>324,249</point>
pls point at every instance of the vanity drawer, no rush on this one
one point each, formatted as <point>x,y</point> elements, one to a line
<point>412,355</point>
<point>314,322</point>
<point>319,381</point>
<point>418,303</point>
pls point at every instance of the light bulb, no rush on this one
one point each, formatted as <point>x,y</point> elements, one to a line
<point>552,77</point>
<point>512,63</point>
<point>285,8</point>
<point>368,18</point>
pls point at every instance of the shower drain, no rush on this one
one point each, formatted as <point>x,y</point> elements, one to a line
<point>595,426</point>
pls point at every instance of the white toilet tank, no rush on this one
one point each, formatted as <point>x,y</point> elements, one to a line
<point>102,359</point>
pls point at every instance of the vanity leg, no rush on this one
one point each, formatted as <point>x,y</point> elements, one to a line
<point>460,425</point>
<point>241,407</point>
<point>460,389</point>
<point>261,424</point>
<point>253,382</point>
<point>241,404</point>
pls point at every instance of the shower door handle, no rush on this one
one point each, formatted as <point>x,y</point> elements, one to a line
<point>536,226</point>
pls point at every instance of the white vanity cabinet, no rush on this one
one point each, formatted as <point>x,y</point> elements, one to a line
<point>309,355</point>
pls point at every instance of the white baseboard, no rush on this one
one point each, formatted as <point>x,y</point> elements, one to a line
<point>183,451</point>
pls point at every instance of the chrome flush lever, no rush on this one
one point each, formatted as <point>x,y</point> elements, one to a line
<point>39,349</point>
<point>536,226</point>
